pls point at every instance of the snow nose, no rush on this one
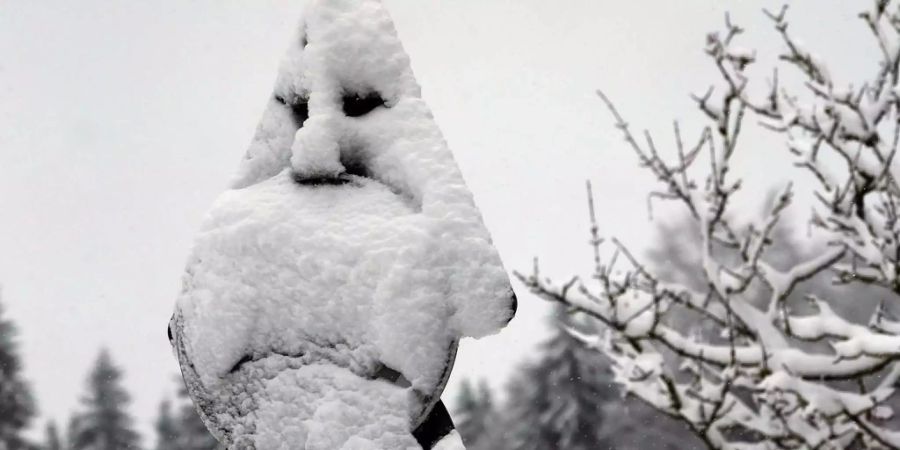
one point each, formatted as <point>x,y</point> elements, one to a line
<point>321,153</point>
<point>316,152</point>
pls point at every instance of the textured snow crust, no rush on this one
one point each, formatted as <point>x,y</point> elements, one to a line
<point>329,408</point>
<point>329,286</point>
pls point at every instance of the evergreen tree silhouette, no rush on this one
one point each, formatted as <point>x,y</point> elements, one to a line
<point>104,423</point>
<point>474,414</point>
<point>560,401</point>
<point>527,398</point>
<point>16,403</point>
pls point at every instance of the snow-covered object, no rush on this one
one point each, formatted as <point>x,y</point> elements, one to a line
<point>328,288</point>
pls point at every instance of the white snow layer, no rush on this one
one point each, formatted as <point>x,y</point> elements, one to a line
<point>452,441</point>
<point>325,407</point>
<point>345,245</point>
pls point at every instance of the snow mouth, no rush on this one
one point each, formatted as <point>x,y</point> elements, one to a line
<point>380,371</point>
<point>357,175</point>
<point>356,171</point>
<point>338,180</point>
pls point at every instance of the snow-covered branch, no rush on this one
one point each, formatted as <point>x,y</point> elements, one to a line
<point>769,371</point>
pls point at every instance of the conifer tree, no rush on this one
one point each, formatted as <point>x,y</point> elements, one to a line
<point>476,420</point>
<point>470,413</point>
<point>559,402</point>
<point>527,398</point>
<point>466,413</point>
<point>104,423</point>
<point>16,404</point>
<point>52,440</point>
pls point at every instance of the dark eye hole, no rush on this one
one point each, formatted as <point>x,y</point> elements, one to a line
<point>356,105</point>
<point>299,109</point>
<point>169,331</point>
<point>385,373</point>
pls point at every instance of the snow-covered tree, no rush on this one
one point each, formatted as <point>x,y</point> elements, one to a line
<point>767,372</point>
<point>16,404</point>
<point>681,261</point>
<point>52,441</point>
<point>104,423</point>
<point>559,401</point>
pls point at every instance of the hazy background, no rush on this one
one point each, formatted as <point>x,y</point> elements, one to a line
<point>121,121</point>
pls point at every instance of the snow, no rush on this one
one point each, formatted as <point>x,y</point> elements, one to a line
<point>824,399</point>
<point>331,408</point>
<point>451,442</point>
<point>638,313</point>
<point>741,54</point>
<point>348,247</point>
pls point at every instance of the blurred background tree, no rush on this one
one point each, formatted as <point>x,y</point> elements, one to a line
<point>16,404</point>
<point>104,423</point>
<point>52,441</point>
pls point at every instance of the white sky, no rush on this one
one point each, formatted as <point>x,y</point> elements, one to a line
<point>121,121</point>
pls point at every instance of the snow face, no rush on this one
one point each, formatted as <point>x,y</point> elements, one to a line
<point>329,286</point>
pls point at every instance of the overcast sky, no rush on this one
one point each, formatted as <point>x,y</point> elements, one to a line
<point>120,121</point>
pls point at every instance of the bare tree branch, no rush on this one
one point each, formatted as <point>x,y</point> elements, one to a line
<point>772,375</point>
